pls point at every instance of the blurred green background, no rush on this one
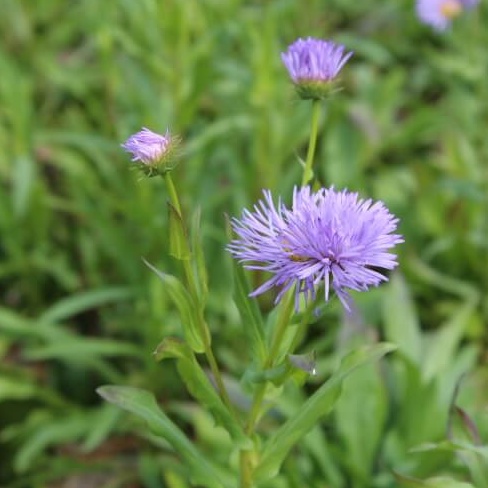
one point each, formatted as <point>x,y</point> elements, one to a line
<point>78,308</point>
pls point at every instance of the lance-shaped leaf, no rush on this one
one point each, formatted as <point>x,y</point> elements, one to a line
<point>437,482</point>
<point>178,238</point>
<point>318,405</point>
<point>143,404</point>
<point>199,258</point>
<point>401,319</point>
<point>453,446</point>
<point>186,307</point>
<point>251,317</point>
<point>200,387</point>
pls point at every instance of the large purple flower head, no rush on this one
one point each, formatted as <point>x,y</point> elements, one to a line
<point>153,152</point>
<point>439,13</point>
<point>313,64</point>
<point>329,237</point>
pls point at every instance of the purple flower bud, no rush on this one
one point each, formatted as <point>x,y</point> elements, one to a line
<point>329,237</point>
<point>153,152</point>
<point>313,64</point>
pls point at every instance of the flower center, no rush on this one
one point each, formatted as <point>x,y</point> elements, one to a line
<point>451,8</point>
<point>299,259</point>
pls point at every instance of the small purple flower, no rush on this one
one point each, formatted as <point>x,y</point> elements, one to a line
<point>439,13</point>
<point>152,151</point>
<point>313,64</point>
<point>330,237</point>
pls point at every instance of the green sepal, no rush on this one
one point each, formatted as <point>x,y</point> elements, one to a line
<point>319,404</point>
<point>187,308</point>
<point>143,404</point>
<point>251,317</point>
<point>178,238</point>
<point>200,387</point>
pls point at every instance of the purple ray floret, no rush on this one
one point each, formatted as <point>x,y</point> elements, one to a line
<point>328,237</point>
<point>314,60</point>
<point>147,146</point>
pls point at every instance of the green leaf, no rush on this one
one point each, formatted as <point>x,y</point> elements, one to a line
<point>437,482</point>
<point>82,348</point>
<point>178,238</point>
<point>251,317</point>
<point>143,404</point>
<point>200,387</point>
<point>361,430</point>
<point>80,302</point>
<point>197,246</point>
<point>186,307</point>
<point>453,446</point>
<point>444,342</point>
<point>401,320</point>
<point>319,404</point>
<point>15,325</point>
<point>23,178</point>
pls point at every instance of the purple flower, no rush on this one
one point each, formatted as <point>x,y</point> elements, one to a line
<point>154,152</point>
<point>313,64</point>
<point>330,237</point>
<point>439,13</point>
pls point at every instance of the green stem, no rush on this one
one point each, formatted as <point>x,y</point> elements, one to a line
<point>314,129</point>
<point>245,469</point>
<point>204,331</point>
<point>283,320</point>
<point>173,194</point>
<point>302,326</point>
<point>282,323</point>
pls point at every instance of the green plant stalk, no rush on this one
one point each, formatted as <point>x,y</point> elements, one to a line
<point>314,129</point>
<point>204,330</point>
<point>301,328</point>
<point>282,323</point>
<point>246,467</point>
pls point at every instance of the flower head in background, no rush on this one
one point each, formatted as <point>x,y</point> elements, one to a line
<point>313,65</point>
<point>329,237</point>
<point>439,13</point>
<point>154,153</point>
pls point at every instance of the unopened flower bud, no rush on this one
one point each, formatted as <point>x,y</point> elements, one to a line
<point>153,153</point>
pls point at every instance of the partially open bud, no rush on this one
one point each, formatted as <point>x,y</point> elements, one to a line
<point>154,153</point>
<point>313,65</point>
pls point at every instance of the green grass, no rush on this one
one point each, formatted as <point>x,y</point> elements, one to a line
<point>78,307</point>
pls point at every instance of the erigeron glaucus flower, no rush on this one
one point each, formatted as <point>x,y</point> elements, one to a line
<point>439,13</point>
<point>330,238</point>
<point>313,65</point>
<point>154,153</point>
